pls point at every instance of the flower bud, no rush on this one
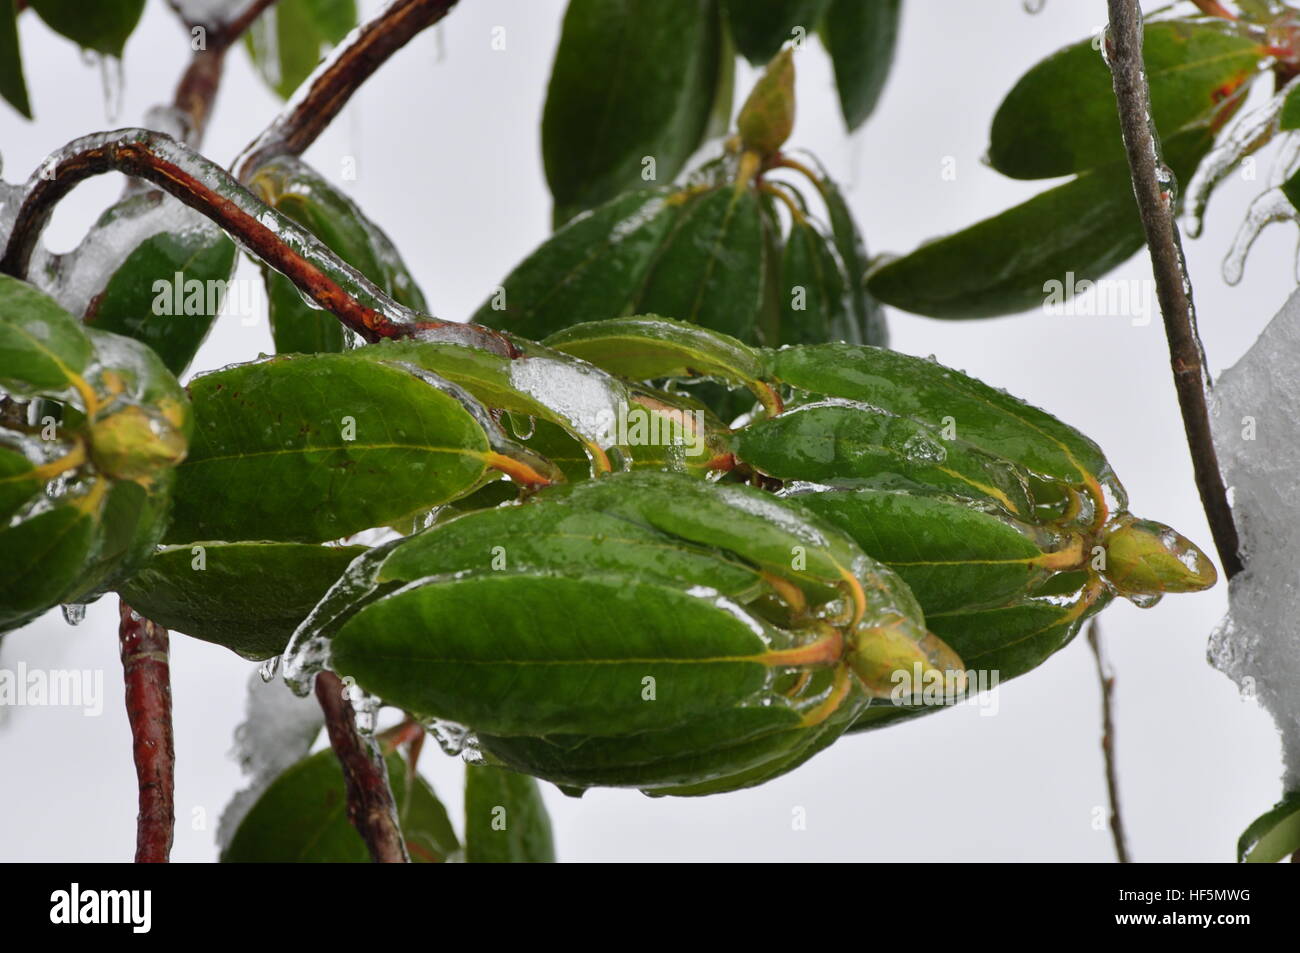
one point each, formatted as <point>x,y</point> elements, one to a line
<point>767,117</point>
<point>133,444</point>
<point>1144,557</point>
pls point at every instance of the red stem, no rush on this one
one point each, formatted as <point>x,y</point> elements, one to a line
<point>144,647</point>
<point>371,807</point>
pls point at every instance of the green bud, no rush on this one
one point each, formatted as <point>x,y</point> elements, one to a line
<point>134,444</point>
<point>767,117</point>
<point>1144,557</point>
<point>880,655</point>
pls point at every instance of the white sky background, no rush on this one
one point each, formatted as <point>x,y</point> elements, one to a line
<point>449,163</point>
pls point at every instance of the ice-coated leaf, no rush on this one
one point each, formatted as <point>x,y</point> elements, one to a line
<point>658,66</point>
<point>128,528</point>
<point>1273,836</point>
<point>13,87</point>
<point>41,559</point>
<point>304,195</point>
<point>247,596</point>
<point>1059,239</point>
<point>860,38</point>
<point>868,317</point>
<point>43,349</point>
<point>813,294</point>
<point>589,270</point>
<point>303,818</point>
<point>287,41</point>
<point>1289,117</point>
<point>1060,117</point>
<point>164,292</point>
<point>760,27</point>
<point>102,26</point>
<point>710,269</point>
<point>18,479</point>
<point>307,448</point>
<point>505,819</point>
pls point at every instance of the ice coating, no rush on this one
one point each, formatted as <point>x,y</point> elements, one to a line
<point>584,396</point>
<point>277,732</point>
<point>1256,420</point>
<point>209,12</point>
<point>1268,207</point>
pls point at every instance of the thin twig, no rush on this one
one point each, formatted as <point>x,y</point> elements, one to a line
<point>371,807</point>
<point>1173,287</point>
<point>146,672</point>
<point>1107,679</point>
<point>197,91</point>
<point>262,231</point>
<point>332,85</point>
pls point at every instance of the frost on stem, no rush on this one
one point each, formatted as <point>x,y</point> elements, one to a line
<point>1257,429</point>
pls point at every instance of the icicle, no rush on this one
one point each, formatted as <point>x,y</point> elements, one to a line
<point>113,76</point>
<point>1271,206</point>
<point>74,613</point>
<point>268,668</point>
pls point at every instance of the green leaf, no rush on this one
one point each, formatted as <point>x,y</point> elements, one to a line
<point>589,270</point>
<point>950,555</point>
<point>518,653</point>
<point>813,293</point>
<point>505,819</point>
<point>43,349</point>
<point>1273,836</point>
<point>1060,117</point>
<point>298,191</point>
<point>860,38</point>
<point>103,26</point>
<point>13,87</point>
<point>288,40</point>
<point>303,818</point>
<point>1035,253</point>
<point>710,269</point>
<point>129,526</point>
<point>272,458</point>
<point>169,288</point>
<point>648,347</point>
<point>761,27</point>
<point>18,480</point>
<point>1291,189</point>
<point>1289,118</point>
<point>658,66</point>
<point>41,559</point>
<point>248,597</point>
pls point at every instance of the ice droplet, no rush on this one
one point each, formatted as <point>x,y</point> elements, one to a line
<point>269,668</point>
<point>74,613</point>
<point>1033,6</point>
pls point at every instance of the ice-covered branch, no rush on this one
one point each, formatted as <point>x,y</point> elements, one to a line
<point>371,807</point>
<point>262,231</point>
<point>1152,187</point>
<point>147,673</point>
<point>329,88</point>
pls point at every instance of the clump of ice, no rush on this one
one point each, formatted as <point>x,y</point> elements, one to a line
<point>1257,432</point>
<point>277,732</point>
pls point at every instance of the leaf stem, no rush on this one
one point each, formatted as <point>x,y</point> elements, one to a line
<point>144,649</point>
<point>328,89</point>
<point>262,231</point>
<point>1107,678</point>
<point>371,807</point>
<point>1173,286</point>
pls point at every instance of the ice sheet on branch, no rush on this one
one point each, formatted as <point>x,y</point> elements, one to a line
<point>1257,432</point>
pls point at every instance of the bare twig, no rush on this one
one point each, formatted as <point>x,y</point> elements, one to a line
<point>145,669</point>
<point>370,799</point>
<point>262,231</point>
<point>197,91</point>
<point>1173,288</point>
<point>1107,679</point>
<point>332,85</point>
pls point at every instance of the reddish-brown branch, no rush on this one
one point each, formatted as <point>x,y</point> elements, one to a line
<point>197,91</point>
<point>332,85</point>
<point>1107,679</point>
<point>1173,288</point>
<point>160,160</point>
<point>144,647</point>
<point>371,807</point>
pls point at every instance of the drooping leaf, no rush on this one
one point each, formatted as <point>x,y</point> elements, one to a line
<point>128,528</point>
<point>813,293</point>
<point>307,448</point>
<point>13,86</point>
<point>298,191</point>
<point>1035,253</point>
<point>41,559</point>
<point>43,350</point>
<point>505,819</point>
<point>710,269</point>
<point>658,65</point>
<point>589,270</point>
<point>860,38</point>
<point>247,596</point>
<point>760,27</point>
<point>303,818</point>
<point>287,41</point>
<point>102,26</point>
<point>1060,117</point>
<point>1273,836</point>
<point>168,289</point>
